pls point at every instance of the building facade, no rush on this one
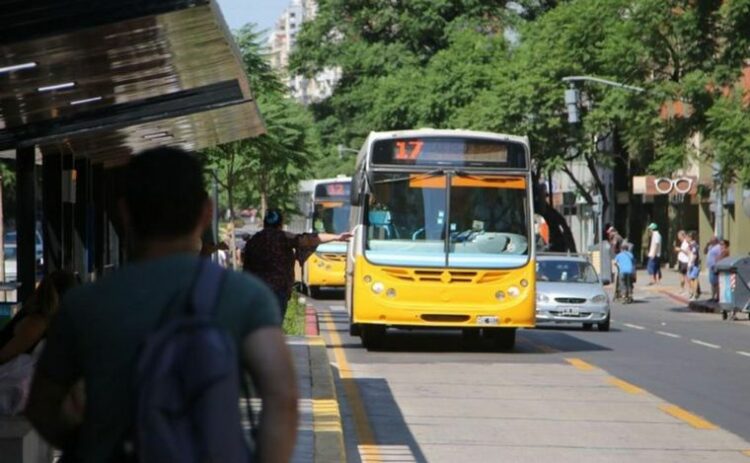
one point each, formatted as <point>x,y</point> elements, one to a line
<point>281,43</point>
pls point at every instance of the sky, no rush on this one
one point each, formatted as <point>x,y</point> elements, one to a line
<point>261,12</point>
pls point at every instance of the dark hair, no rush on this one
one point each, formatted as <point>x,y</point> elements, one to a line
<point>165,192</point>
<point>45,300</point>
<point>274,218</point>
<point>726,242</point>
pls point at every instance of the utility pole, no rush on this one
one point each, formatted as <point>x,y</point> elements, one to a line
<point>342,149</point>
<point>718,202</point>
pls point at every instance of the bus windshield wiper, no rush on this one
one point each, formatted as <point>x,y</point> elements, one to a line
<point>433,173</point>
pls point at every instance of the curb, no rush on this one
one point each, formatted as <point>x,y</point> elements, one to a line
<point>312,326</point>
<point>694,306</point>
<point>327,426</point>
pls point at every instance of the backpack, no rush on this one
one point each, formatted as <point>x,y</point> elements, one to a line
<point>187,384</point>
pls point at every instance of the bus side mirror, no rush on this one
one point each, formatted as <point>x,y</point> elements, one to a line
<point>355,197</point>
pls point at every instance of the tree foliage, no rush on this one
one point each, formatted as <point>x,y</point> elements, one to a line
<point>264,171</point>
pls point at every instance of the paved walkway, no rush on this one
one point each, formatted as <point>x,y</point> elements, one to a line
<point>304,451</point>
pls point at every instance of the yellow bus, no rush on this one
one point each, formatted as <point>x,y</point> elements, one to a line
<point>443,235</point>
<point>328,212</point>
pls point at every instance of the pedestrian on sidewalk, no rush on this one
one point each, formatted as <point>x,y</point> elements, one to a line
<point>271,253</point>
<point>694,265</point>
<point>682,248</point>
<point>712,257</point>
<point>625,262</point>
<point>615,241</point>
<point>101,328</point>
<point>653,266</point>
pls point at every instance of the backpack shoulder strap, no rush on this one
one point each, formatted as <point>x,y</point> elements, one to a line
<point>206,289</point>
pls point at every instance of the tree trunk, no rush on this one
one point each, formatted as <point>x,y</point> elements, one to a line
<point>599,184</point>
<point>579,186</point>
<point>230,228</point>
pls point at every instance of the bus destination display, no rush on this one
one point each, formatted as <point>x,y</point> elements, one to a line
<point>330,190</point>
<point>449,151</point>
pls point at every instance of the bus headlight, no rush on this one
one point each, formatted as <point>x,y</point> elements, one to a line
<point>513,291</point>
<point>391,292</point>
<point>524,283</point>
<point>541,297</point>
<point>378,287</point>
<point>321,264</point>
<point>367,279</point>
<point>499,295</point>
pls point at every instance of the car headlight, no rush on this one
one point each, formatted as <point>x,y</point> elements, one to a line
<point>541,297</point>
<point>599,298</point>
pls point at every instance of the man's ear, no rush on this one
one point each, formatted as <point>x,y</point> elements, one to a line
<point>206,217</point>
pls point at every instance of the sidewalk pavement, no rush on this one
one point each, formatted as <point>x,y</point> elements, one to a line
<point>320,435</point>
<point>670,286</point>
<point>319,432</point>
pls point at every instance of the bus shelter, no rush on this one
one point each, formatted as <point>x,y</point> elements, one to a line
<point>84,86</point>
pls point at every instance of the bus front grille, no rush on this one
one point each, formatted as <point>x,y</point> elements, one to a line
<point>443,276</point>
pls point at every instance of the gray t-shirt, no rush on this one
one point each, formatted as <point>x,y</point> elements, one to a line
<point>100,328</point>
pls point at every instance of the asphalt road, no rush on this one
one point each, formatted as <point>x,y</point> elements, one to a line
<point>430,396</point>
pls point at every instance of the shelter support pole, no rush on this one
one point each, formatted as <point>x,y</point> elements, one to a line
<point>26,221</point>
<point>52,230</point>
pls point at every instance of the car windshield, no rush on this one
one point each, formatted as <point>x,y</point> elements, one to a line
<point>410,221</point>
<point>565,271</point>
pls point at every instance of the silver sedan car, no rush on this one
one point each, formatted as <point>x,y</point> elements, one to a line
<point>568,290</point>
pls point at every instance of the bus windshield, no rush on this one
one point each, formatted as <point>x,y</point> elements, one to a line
<point>331,216</point>
<point>476,221</point>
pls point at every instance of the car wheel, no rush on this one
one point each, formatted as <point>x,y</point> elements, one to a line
<point>603,326</point>
<point>588,326</point>
<point>373,336</point>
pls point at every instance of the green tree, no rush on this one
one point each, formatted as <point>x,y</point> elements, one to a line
<point>265,170</point>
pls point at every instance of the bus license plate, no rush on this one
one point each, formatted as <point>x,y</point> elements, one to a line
<point>570,311</point>
<point>487,320</point>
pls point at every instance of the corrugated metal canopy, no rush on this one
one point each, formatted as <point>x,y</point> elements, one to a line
<point>159,72</point>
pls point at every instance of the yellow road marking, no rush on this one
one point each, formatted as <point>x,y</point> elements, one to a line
<point>625,386</point>
<point>746,453</point>
<point>684,415</point>
<point>580,364</point>
<point>365,435</point>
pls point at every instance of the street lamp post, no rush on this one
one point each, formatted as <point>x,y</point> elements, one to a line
<point>342,149</point>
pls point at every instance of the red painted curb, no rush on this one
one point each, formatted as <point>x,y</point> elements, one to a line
<point>311,321</point>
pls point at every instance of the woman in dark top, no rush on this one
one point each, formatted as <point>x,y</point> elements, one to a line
<point>29,326</point>
<point>270,254</point>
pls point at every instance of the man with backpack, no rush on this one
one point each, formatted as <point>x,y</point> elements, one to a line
<point>160,346</point>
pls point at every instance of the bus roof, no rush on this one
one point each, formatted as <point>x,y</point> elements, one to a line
<point>446,133</point>
<point>309,185</point>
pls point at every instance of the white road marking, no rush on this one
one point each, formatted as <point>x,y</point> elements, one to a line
<point>671,335</point>
<point>746,354</point>
<point>635,327</point>
<point>337,308</point>
<point>706,344</point>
